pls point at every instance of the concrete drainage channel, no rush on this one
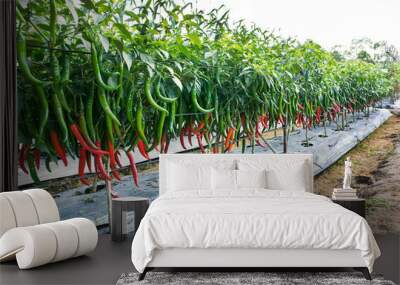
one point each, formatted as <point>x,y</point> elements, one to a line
<point>326,151</point>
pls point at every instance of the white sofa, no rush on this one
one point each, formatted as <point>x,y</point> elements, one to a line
<point>31,231</point>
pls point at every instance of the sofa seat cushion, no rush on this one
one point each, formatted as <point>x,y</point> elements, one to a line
<point>37,245</point>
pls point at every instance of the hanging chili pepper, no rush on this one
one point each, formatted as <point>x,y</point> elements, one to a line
<point>106,107</point>
<point>189,132</point>
<point>36,156</point>
<point>150,99</point>
<point>22,157</point>
<point>81,166</point>
<point>166,147</point>
<point>99,164</point>
<point>200,143</point>
<point>139,124</point>
<point>97,71</point>
<point>58,148</point>
<point>196,103</point>
<point>182,138</point>
<point>32,169</point>
<point>142,149</point>
<point>113,163</point>
<point>133,168</point>
<point>117,154</point>
<point>89,161</point>
<point>75,131</point>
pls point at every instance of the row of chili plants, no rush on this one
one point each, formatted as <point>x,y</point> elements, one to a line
<point>101,78</point>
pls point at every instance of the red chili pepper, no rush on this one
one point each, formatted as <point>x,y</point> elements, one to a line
<point>89,161</point>
<point>133,167</point>
<point>182,138</point>
<point>189,133</point>
<point>198,136</point>
<point>263,122</point>
<point>22,157</point>
<point>99,163</point>
<point>350,107</point>
<point>117,154</point>
<point>199,127</point>
<point>142,149</point>
<point>58,148</point>
<point>281,119</point>
<point>229,137</point>
<point>318,115</point>
<point>166,147</point>
<point>81,166</point>
<point>111,152</point>
<point>36,156</point>
<point>115,174</point>
<point>243,120</point>
<point>75,131</point>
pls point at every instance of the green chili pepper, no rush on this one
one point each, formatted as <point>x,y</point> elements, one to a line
<point>120,93</point>
<point>171,122</point>
<point>84,131</point>
<point>163,98</point>
<point>60,117</point>
<point>22,61</point>
<point>160,128</point>
<point>139,124</point>
<point>105,106</point>
<point>32,170</point>
<point>97,71</point>
<point>65,69</point>
<point>150,99</point>
<point>109,127</point>
<point>44,112</point>
<point>197,105</point>
<point>129,107</point>
<point>89,113</point>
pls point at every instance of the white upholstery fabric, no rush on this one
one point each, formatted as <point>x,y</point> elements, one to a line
<point>23,208</point>
<point>45,205</point>
<point>7,218</point>
<point>31,232</point>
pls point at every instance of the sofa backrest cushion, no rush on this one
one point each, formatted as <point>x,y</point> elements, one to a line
<point>285,171</point>
<point>26,208</point>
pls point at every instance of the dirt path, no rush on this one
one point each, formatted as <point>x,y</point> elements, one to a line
<point>376,170</point>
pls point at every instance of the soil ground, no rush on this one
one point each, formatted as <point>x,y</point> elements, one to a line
<point>376,175</point>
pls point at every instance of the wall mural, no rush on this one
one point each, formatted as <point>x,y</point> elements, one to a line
<point>102,80</point>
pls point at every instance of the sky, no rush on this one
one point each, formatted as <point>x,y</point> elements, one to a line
<point>328,22</point>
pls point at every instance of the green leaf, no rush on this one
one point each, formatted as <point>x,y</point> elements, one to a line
<point>148,60</point>
<point>177,82</point>
<point>127,58</point>
<point>104,42</point>
<point>124,31</point>
<point>71,7</point>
